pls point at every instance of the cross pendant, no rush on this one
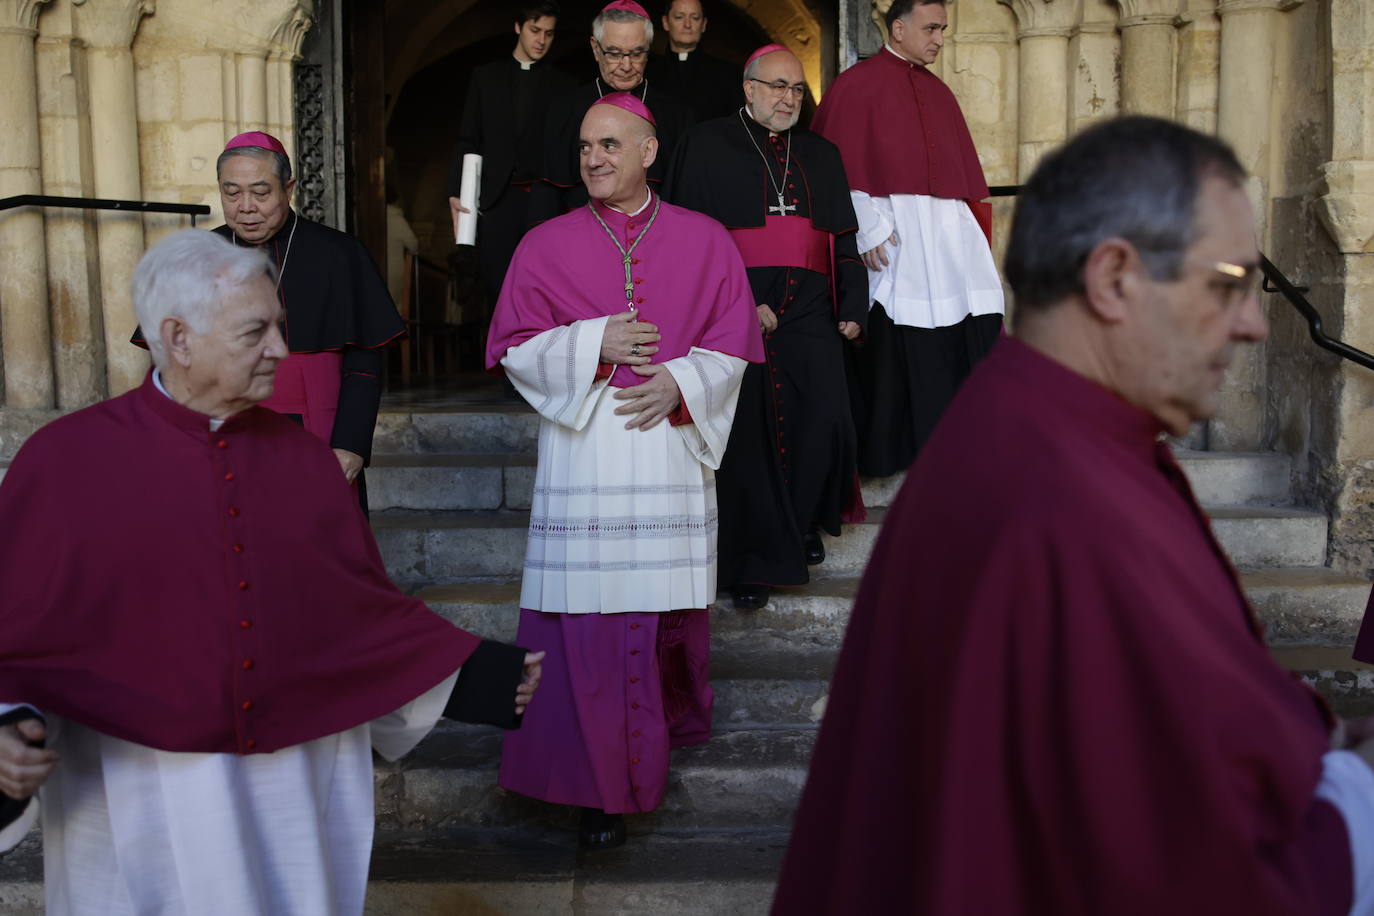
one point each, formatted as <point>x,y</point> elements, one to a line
<point>782,209</point>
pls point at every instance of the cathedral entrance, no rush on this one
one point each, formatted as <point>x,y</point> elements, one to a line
<point>399,71</point>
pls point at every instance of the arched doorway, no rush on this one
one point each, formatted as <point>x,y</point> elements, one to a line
<point>428,53</point>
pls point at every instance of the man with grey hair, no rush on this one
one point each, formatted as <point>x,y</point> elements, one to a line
<point>622,34</point>
<point>791,470</point>
<point>1087,720</point>
<point>339,314</point>
<point>209,674</point>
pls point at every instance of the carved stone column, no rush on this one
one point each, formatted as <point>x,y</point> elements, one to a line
<point>1148,67</point>
<point>78,343</point>
<point>25,337</point>
<point>1347,211</point>
<point>1249,32</point>
<point>1045,27</point>
<point>107,27</point>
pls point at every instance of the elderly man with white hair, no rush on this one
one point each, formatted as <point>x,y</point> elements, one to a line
<point>622,34</point>
<point>208,673</point>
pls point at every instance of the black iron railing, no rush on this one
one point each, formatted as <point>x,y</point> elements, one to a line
<point>96,203</point>
<point>1274,282</point>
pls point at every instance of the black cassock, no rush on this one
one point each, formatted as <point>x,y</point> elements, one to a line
<point>503,121</point>
<point>790,466</point>
<point>335,302</point>
<point>706,86</point>
<point>561,189</point>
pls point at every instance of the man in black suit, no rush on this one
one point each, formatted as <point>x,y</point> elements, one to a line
<point>502,121</point>
<point>707,86</point>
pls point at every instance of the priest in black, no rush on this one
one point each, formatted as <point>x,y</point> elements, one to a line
<point>339,314</point>
<point>790,469</point>
<point>707,86</point>
<point>621,35</point>
<point>503,121</point>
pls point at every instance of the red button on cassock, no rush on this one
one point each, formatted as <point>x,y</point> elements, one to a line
<point>634,680</point>
<point>250,744</point>
<point>247,705</point>
<point>222,443</point>
<point>634,705</point>
<point>229,476</point>
<point>247,664</point>
<point>243,586</point>
<point>233,512</point>
<point>238,548</point>
<point>245,624</point>
<point>634,760</point>
<point>634,651</point>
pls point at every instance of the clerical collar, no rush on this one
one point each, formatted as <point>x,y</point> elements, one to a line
<point>909,63</point>
<point>524,64</point>
<point>215,422</point>
<point>648,199</point>
<point>772,133</point>
<point>643,88</point>
<point>682,55</point>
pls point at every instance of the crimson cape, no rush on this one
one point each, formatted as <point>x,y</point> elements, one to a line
<point>205,591</point>
<point>1053,697</point>
<point>900,131</point>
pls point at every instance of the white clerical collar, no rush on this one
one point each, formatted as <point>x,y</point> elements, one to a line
<point>682,55</point>
<point>749,109</point>
<point>524,64</point>
<point>888,48</point>
<point>648,199</point>
<point>215,423</point>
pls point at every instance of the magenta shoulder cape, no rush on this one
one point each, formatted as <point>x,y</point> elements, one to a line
<point>900,131</point>
<point>687,274</point>
<point>203,591</point>
<point>1053,697</point>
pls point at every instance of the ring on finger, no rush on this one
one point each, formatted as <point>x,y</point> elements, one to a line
<point>634,350</point>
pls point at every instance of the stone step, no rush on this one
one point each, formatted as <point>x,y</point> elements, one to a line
<point>1299,607</point>
<point>471,480</point>
<point>435,546</point>
<point>529,871</point>
<point>1347,684</point>
<point>496,428</point>
<point>740,778</point>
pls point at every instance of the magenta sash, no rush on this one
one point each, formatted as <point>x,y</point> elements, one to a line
<point>308,384</point>
<point>784,241</point>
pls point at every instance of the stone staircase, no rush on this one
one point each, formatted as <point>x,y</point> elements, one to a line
<point>450,489</point>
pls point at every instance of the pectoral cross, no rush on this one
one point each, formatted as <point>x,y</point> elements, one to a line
<point>629,285</point>
<point>782,209</point>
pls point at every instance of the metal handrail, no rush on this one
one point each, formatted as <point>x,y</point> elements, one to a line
<point>97,203</point>
<point>1274,282</point>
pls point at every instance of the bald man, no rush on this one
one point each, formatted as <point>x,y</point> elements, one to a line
<point>627,325</point>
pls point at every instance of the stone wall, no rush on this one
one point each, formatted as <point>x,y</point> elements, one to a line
<point>119,99</point>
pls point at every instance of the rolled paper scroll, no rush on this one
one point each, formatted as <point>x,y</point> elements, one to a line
<point>465,230</point>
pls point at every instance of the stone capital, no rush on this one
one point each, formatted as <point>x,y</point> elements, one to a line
<point>1044,17</point>
<point>1241,6</point>
<point>20,16</point>
<point>1156,10</point>
<point>289,33</point>
<point>109,24</point>
<point>1347,207</point>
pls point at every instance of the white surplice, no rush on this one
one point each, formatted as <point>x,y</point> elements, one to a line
<point>621,520</point>
<point>940,269</point>
<point>132,830</point>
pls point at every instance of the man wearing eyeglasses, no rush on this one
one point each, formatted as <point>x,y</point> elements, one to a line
<point>918,190</point>
<point>790,471</point>
<point>707,86</point>
<point>621,36</point>
<point>1087,719</point>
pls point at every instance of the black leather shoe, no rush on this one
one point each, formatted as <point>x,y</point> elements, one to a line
<point>815,548</point>
<point>600,830</point>
<point>750,597</point>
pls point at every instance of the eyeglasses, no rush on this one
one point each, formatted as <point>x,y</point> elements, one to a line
<point>779,87</point>
<point>616,56</point>
<point>1241,282</point>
